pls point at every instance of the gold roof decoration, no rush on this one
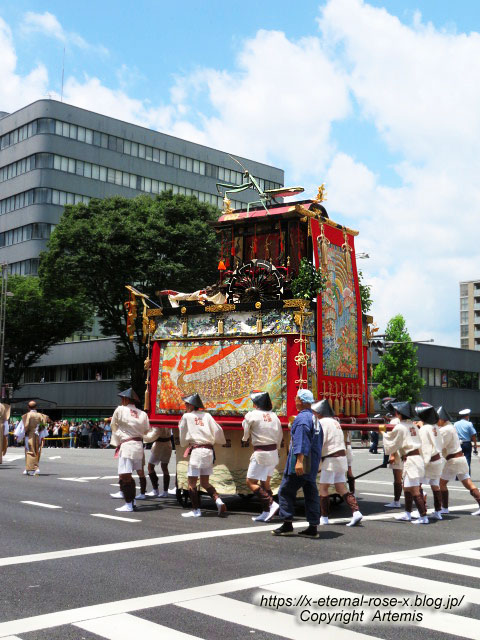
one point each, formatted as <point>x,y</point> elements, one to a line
<point>321,195</point>
<point>227,209</point>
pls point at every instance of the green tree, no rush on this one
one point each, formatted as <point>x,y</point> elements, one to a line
<point>34,322</point>
<point>365,294</point>
<point>397,372</point>
<point>158,243</point>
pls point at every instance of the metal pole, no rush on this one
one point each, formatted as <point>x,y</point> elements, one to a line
<point>3,314</point>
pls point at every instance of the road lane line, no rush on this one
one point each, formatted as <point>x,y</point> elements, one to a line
<point>70,616</point>
<point>40,504</point>
<point>265,619</point>
<point>471,554</point>
<point>185,537</point>
<point>382,495</point>
<point>104,515</point>
<point>447,567</point>
<point>410,583</point>
<point>434,620</point>
<point>125,627</point>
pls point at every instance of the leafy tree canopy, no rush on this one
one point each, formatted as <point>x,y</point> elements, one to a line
<point>152,243</point>
<point>34,322</point>
<point>397,372</point>
<point>365,294</point>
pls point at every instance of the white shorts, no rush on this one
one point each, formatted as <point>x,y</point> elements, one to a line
<point>433,482</point>
<point>259,471</point>
<point>451,474</point>
<point>160,452</point>
<point>129,465</point>
<point>199,471</point>
<point>411,482</point>
<point>331,477</point>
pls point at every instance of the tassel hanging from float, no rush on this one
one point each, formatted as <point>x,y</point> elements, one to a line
<point>330,395</point>
<point>341,398</point>
<point>324,243</point>
<point>347,405</point>
<point>131,307</point>
<point>371,403</point>
<point>358,404</point>
<point>259,323</point>
<point>145,322</point>
<point>347,249</point>
<point>336,404</point>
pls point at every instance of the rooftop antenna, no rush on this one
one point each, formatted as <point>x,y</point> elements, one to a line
<point>63,72</point>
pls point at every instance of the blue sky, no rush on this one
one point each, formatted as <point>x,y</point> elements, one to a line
<point>378,99</point>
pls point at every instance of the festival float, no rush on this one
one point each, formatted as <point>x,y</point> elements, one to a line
<point>250,332</point>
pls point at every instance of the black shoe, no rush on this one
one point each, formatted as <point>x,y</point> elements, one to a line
<point>285,530</point>
<point>310,532</point>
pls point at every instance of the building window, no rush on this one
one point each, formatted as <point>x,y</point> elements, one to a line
<point>463,289</point>
<point>464,317</point>
<point>464,330</point>
<point>463,304</point>
<point>464,343</point>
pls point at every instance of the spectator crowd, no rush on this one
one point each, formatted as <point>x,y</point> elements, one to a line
<point>70,434</point>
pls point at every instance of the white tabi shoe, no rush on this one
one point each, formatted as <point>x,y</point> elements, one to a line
<point>357,516</point>
<point>118,495</point>
<point>141,496</point>
<point>476,513</point>
<point>262,517</point>
<point>128,506</point>
<point>274,507</point>
<point>153,493</point>
<point>444,510</point>
<point>421,520</point>
<point>221,506</point>
<point>404,516</point>
<point>415,514</point>
<point>323,520</point>
<point>436,515</point>
<point>393,505</point>
<point>25,473</point>
<point>192,514</point>
<point>164,494</point>
<point>36,472</point>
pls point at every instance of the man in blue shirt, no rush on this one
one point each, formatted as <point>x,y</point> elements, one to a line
<point>466,434</point>
<point>301,469</point>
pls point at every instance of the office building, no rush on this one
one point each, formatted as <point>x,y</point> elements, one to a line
<point>52,154</point>
<point>470,314</point>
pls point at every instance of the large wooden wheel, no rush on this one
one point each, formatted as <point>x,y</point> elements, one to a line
<point>255,281</point>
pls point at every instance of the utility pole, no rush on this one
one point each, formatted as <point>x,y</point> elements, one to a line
<point>3,314</point>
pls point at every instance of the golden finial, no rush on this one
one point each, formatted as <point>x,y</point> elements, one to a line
<point>322,194</point>
<point>227,209</point>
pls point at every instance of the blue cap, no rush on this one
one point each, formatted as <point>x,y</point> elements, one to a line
<point>305,396</point>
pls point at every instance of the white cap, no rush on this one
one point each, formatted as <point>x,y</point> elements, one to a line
<point>465,412</point>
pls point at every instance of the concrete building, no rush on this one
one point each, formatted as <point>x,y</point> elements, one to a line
<point>470,314</point>
<point>52,154</point>
<point>452,378</point>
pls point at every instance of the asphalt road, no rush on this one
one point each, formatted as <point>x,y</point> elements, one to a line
<point>72,573</point>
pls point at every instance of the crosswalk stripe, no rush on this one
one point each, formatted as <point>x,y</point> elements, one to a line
<point>471,554</point>
<point>265,619</point>
<point>434,620</point>
<point>409,583</point>
<point>108,517</point>
<point>40,504</point>
<point>125,627</point>
<point>11,637</point>
<point>447,567</point>
<point>69,616</point>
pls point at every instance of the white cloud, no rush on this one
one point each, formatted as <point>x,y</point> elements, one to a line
<point>17,90</point>
<point>48,25</point>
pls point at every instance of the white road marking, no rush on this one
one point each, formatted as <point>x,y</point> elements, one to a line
<point>54,457</point>
<point>382,495</point>
<point>410,583</point>
<point>391,484</point>
<point>471,554</point>
<point>40,504</point>
<point>104,515</point>
<point>109,477</point>
<point>264,619</point>
<point>125,627</point>
<point>72,479</point>
<point>447,567</point>
<point>435,620</point>
<point>185,537</point>
<point>349,565</point>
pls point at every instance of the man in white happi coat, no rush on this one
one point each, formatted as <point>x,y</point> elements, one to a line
<point>160,453</point>
<point>404,439</point>
<point>394,462</point>
<point>199,432</point>
<point>456,465</point>
<point>129,425</point>
<point>334,463</point>
<point>263,427</point>
<point>432,445</point>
